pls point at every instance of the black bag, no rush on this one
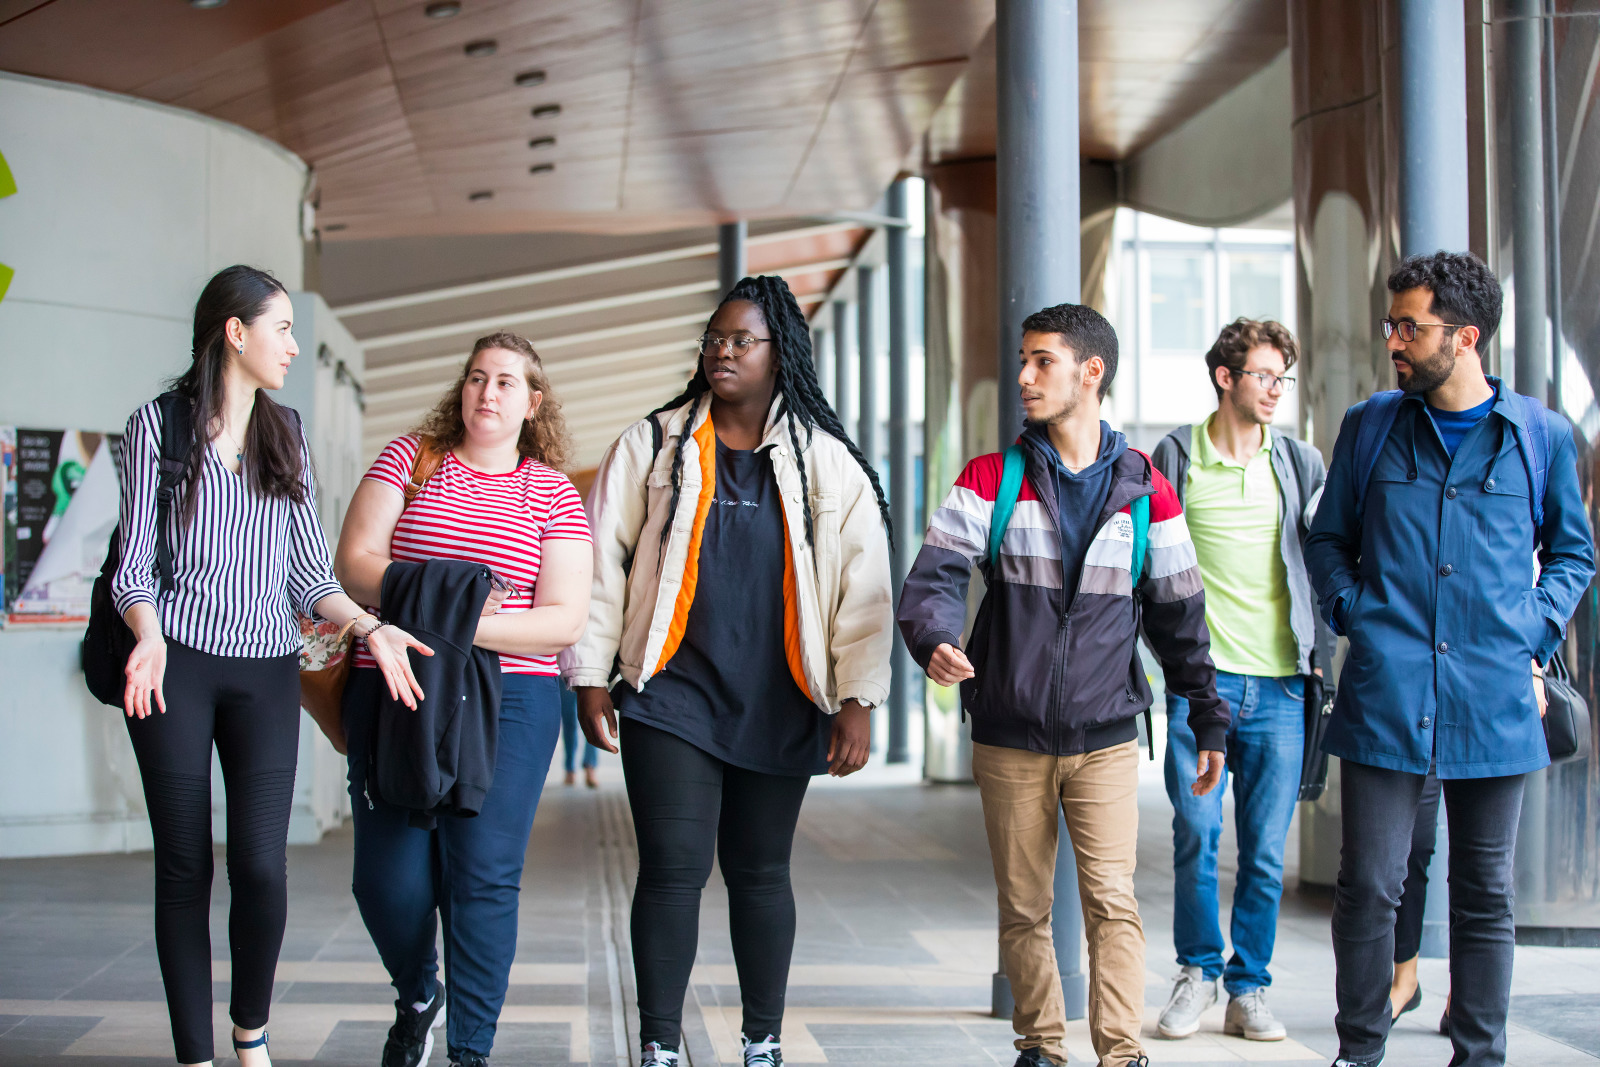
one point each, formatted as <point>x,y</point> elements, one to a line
<point>1566,714</point>
<point>1314,761</point>
<point>108,642</point>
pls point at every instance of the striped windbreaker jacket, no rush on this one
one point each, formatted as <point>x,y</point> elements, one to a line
<point>1052,677</point>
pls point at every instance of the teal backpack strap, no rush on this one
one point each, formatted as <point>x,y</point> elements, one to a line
<point>1140,510</point>
<point>1005,502</point>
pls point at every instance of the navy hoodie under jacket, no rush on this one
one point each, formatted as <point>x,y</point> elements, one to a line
<point>1079,496</point>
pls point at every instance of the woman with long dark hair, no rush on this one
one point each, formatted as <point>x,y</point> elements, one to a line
<point>742,586</point>
<point>216,663</point>
<point>479,480</point>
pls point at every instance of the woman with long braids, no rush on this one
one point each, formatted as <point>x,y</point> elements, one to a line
<point>217,658</point>
<point>742,585</point>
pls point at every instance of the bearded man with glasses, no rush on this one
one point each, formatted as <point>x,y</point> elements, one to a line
<point>1247,494</point>
<point>1439,498</point>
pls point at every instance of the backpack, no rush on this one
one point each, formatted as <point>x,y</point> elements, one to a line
<point>108,641</point>
<point>1533,441</point>
<point>1005,502</point>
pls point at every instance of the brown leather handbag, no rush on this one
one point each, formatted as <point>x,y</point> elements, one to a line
<point>325,647</point>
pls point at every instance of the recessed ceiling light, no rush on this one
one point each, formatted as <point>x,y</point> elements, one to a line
<point>545,111</point>
<point>335,227</point>
<point>481,195</point>
<point>204,4</point>
<point>443,10</point>
<point>529,78</point>
<point>542,142</point>
<point>541,168</point>
<point>480,49</point>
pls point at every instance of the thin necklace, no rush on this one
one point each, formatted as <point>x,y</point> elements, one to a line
<point>239,455</point>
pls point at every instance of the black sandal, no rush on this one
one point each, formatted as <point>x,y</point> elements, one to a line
<point>240,1046</point>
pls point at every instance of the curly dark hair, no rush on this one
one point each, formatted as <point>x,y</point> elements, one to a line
<point>544,438</point>
<point>1085,331</point>
<point>1234,343</point>
<point>804,405</point>
<point>1465,291</point>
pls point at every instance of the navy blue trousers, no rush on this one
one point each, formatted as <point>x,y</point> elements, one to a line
<point>466,872</point>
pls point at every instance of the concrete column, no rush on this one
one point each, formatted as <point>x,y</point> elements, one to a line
<point>1036,162</point>
<point>1434,216</point>
<point>819,352</point>
<point>905,672</point>
<point>1552,199</point>
<point>731,238</point>
<point>841,361</point>
<point>1525,120</point>
<point>867,363</point>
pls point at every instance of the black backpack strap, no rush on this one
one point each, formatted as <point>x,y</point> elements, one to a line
<point>177,437</point>
<point>657,436</point>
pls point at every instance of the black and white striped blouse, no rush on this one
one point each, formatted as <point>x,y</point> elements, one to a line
<point>243,567</point>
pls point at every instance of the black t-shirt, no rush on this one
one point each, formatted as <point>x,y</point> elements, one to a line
<point>728,690</point>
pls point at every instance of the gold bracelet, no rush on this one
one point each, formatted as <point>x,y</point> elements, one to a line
<point>351,625</point>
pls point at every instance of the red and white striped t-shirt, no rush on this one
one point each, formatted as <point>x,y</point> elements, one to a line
<point>499,520</point>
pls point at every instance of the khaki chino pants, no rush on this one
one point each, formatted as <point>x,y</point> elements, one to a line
<point>1098,794</point>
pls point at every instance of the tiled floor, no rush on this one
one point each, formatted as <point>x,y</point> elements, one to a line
<point>893,963</point>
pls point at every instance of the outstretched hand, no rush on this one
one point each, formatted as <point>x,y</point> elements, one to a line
<point>388,646</point>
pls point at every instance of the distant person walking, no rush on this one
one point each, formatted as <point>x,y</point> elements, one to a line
<point>217,658</point>
<point>1439,499</point>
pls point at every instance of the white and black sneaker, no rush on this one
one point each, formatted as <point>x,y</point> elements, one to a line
<point>655,1054</point>
<point>410,1041</point>
<point>764,1053</point>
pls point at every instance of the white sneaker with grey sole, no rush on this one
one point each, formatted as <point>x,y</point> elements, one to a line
<point>1192,994</point>
<point>1250,1018</point>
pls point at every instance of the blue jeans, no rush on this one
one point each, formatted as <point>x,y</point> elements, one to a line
<point>1265,746</point>
<point>465,871</point>
<point>571,735</point>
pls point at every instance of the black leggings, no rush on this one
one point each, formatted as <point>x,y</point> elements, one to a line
<point>687,806</point>
<point>251,709</point>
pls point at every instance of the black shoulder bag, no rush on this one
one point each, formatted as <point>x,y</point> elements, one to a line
<point>1319,690</point>
<point>108,641</point>
<point>1566,714</point>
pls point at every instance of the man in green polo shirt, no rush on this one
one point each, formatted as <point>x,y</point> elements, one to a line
<point>1248,494</point>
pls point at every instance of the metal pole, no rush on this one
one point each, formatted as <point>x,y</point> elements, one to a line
<point>731,239</point>
<point>1433,216</point>
<point>904,671</point>
<point>841,361</point>
<point>1526,120</point>
<point>1433,124</point>
<point>1036,169</point>
<point>1552,201</point>
<point>867,364</point>
<point>819,352</point>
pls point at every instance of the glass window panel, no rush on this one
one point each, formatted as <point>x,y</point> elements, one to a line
<point>1177,300</point>
<point>1255,286</point>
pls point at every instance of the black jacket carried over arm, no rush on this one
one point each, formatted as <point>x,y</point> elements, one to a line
<point>439,759</point>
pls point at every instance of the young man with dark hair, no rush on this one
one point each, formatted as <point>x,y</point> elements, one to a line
<point>1246,494</point>
<point>1429,572</point>
<point>1051,676</point>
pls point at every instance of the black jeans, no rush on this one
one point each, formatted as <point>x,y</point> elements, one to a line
<point>688,805</point>
<point>1380,809</point>
<point>250,709</point>
<point>1414,896</point>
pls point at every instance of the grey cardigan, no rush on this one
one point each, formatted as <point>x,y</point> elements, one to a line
<point>1300,472</point>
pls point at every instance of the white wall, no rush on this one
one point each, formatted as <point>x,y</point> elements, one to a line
<point>123,210</point>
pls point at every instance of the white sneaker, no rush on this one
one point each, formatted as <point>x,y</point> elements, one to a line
<point>1192,994</point>
<point>1250,1018</point>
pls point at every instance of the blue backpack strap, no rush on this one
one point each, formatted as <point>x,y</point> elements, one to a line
<point>1005,502</point>
<point>1140,511</point>
<point>1533,440</point>
<point>1377,419</point>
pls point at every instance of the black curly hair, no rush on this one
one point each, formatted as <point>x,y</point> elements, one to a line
<point>1465,290</point>
<point>804,405</point>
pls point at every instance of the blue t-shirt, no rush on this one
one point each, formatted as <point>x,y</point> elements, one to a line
<point>728,689</point>
<point>1453,425</point>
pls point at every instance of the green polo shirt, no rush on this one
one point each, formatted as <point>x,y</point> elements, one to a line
<point>1234,519</point>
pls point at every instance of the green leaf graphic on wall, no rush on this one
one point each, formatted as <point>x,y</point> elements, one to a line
<point>8,185</point>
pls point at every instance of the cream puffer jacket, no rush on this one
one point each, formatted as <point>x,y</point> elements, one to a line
<point>841,604</point>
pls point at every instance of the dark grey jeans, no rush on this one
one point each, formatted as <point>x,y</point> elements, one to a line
<point>1379,815</point>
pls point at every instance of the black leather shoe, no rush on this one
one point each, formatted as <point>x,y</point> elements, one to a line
<point>1033,1057</point>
